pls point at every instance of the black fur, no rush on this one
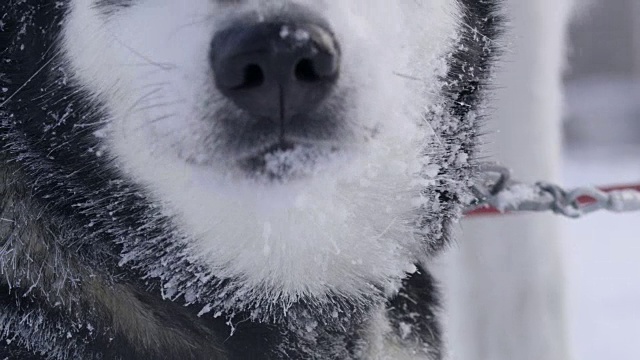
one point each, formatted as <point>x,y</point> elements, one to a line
<point>68,224</point>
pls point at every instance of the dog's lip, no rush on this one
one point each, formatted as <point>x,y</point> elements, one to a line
<point>279,146</point>
<point>284,145</point>
<point>266,149</point>
<point>257,160</point>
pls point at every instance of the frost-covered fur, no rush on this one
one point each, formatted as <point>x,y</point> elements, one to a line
<point>131,228</point>
<point>349,220</point>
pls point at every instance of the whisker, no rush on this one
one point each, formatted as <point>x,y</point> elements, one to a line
<point>162,66</point>
<point>153,106</point>
<point>154,120</point>
<point>145,97</point>
<point>158,84</point>
<point>163,117</point>
<point>196,22</point>
<point>408,77</point>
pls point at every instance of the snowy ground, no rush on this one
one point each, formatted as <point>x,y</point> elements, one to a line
<point>603,262</point>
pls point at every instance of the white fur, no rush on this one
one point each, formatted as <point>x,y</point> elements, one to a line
<point>348,221</point>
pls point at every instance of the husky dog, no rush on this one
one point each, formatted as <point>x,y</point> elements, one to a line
<point>246,179</point>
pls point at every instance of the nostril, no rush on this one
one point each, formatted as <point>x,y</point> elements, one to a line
<point>253,76</point>
<point>306,72</point>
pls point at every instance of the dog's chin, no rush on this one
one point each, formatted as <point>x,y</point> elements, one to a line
<point>286,160</point>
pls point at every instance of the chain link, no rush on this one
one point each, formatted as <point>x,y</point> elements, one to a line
<point>496,188</point>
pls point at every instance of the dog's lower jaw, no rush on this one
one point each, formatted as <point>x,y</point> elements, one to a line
<point>277,242</point>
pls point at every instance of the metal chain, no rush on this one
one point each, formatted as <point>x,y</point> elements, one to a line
<point>497,189</point>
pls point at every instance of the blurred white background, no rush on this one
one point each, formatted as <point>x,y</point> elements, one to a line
<point>538,287</point>
<point>602,146</point>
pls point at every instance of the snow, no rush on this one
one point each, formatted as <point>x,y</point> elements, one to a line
<point>602,262</point>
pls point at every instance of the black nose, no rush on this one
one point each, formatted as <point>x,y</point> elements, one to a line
<point>276,70</point>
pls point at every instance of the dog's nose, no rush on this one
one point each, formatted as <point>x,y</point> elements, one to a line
<point>276,70</point>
